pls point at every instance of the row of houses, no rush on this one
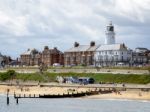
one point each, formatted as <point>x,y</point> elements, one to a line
<point>80,54</point>
<point>47,57</point>
<point>108,54</point>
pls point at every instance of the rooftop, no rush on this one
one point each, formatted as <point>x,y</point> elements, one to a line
<point>82,48</point>
<point>112,47</point>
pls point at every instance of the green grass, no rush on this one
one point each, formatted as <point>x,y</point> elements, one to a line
<point>30,77</point>
<point>116,78</point>
<point>99,77</point>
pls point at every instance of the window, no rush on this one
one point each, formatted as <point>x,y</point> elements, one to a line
<point>110,52</point>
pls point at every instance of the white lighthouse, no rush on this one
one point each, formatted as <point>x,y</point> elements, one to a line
<point>110,34</point>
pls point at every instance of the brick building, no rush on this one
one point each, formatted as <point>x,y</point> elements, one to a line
<point>80,54</point>
<point>48,57</point>
<point>31,57</point>
<point>51,56</point>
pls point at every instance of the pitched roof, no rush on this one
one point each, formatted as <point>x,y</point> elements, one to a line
<point>112,47</point>
<point>79,48</point>
<point>28,52</point>
<point>140,48</point>
<point>82,48</point>
<point>93,48</point>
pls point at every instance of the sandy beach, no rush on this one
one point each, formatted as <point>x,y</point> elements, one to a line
<point>132,94</point>
<point>39,90</point>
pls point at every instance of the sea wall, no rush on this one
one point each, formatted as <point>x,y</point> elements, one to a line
<point>57,70</point>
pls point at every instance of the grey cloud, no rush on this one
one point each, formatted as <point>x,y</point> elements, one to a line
<point>35,23</point>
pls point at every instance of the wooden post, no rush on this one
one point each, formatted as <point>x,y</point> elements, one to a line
<point>7,96</point>
<point>7,100</point>
<point>17,100</point>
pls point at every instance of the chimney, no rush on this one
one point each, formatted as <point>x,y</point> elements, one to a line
<point>55,47</point>
<point>92,43</point>
<point>76,44</point>
<point>46,48</point>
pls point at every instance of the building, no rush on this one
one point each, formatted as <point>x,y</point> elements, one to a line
<point>111,53</point>
<point>108,54</point>
<point>47,57</point>
<point>141,50</point>
<point>77,80</point>
<point>5,60</point>
<point>140,56</point>
<point>1,60</point>
<point>31,57</point>
<point>52,56</point>
<point>110,35</point>
<point>80,55</point>
<point>16,62</point>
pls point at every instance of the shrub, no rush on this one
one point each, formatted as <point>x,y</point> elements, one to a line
<point>4,76</point>
<point>11,73</point>
<point>8,75</point>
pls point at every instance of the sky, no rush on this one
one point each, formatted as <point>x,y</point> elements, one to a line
<point>59,23</point>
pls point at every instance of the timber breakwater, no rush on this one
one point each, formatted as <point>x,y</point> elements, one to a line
<point>64,95</point>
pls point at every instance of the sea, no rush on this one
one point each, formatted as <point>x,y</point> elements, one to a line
<point>72,105</point>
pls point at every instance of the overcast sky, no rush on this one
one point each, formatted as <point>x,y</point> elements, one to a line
<point>35,23</point>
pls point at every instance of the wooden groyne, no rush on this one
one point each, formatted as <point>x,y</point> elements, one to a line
<point>64,95</point>
<point>25,96</point>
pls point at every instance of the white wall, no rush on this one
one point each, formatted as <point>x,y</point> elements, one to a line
<point>112,55</point>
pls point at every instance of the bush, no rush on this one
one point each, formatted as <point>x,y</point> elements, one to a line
<point>4,77</point>
<point>8,75</point>
<point>11,73</point>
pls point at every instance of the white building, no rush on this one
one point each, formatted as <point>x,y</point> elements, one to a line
<point>112,54</point>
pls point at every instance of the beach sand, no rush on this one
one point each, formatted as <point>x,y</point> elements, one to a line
<point>132,94</point>
<point>39,90</point>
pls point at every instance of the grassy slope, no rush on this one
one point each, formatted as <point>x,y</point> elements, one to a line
<point>116,78</point>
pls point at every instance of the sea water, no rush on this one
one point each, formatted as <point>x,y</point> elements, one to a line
<point>72,105</point>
